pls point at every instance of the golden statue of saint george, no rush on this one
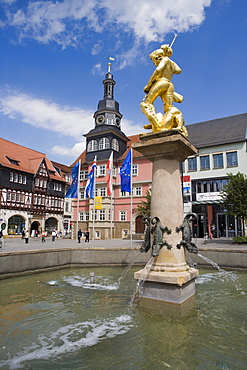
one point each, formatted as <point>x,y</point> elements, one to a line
<point>160,85</point>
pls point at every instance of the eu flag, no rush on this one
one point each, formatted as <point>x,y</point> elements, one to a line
<point>72,192</point>
<point>125,173</point>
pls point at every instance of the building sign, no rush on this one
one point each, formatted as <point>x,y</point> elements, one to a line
<point>97,202</point>
<point>186,188</point>
<point>202,197</point>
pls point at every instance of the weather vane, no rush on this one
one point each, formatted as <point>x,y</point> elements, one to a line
<point>109,63</point>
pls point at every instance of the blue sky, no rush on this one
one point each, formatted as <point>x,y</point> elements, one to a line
<point>54,58</point>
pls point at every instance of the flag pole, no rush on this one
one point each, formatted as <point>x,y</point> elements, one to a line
<point>131,198</point>
<point>111,187</point>
<point>94,181</point>
<point>77,208</point>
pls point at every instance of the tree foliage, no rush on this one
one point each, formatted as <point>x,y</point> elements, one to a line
<point>235,195</point>
<point>145,206</point>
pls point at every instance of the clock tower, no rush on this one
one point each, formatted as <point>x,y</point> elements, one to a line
<point>106,135</point>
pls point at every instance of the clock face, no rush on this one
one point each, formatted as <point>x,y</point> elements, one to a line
<point>100,119</point>
<point>118,121</point>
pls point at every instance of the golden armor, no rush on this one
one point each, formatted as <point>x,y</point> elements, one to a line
<point>160,85</point>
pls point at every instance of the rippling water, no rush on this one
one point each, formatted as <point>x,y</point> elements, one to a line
<point>58,320</point>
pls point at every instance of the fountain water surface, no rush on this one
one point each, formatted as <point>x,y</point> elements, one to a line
<point>71,325</point>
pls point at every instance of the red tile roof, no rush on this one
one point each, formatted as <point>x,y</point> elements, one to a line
<point>28,160</point>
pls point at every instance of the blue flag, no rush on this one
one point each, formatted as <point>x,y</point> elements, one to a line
<point>125,173</point>
<point>90,181</point>
<point>72,192</point>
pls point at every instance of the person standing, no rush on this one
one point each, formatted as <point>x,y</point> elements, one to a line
<point>87,236</point>
<point>79,235</point>
<point>23,233</point>
<point>27,235</point>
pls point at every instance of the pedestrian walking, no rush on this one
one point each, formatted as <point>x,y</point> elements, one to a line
<point>44,234</point>
<point>53,235</point>
<point>27,236</point>
<point>86,236</point>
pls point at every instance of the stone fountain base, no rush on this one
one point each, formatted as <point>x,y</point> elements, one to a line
<point>169,279</point>
<point>172,287</point>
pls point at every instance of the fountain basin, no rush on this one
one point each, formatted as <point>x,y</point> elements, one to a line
<point>73,325</point>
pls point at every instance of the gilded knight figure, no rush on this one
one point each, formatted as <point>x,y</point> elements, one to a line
<point>160,85</point>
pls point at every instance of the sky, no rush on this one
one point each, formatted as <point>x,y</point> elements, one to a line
<point>54,58</point>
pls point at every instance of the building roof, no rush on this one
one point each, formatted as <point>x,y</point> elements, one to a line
<point>218,131</point>
<point>27,160</point>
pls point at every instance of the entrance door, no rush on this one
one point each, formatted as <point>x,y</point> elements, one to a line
<point>202,225</point>
<point>50,224</point>
<point>139,225</point>
<point>35,228</point>
<point>226,225</point>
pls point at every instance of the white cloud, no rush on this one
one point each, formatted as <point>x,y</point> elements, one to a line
<point>66,121</point>
<point>67,22</point>
<point>75,151</point>
<point>45,114</point>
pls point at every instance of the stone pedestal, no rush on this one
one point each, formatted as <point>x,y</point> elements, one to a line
<point>170,278</point>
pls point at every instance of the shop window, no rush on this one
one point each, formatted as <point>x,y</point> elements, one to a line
<point>15,225</point>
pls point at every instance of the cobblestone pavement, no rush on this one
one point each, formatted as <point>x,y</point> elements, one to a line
<point>17,244</point>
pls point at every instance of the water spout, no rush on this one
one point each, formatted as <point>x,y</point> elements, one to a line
<point>211,262</point>
<point>141,280</point>
<point>231,276</point>
<point>127,269</point>
<point>92,278</point>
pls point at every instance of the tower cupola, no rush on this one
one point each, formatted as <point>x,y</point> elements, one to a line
<point>106,137</point>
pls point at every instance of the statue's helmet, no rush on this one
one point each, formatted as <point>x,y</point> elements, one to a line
<point>167,50</point>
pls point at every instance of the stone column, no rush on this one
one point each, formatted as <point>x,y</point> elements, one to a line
<point>166,150</point>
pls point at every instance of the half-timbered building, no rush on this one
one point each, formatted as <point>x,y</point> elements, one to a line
<point>31,190</point>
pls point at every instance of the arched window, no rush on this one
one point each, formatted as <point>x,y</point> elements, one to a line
<point>115,145</point>
<point>92,146</point>
<point>104,143</point>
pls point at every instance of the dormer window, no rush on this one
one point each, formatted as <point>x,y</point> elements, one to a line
<point>13,161</point>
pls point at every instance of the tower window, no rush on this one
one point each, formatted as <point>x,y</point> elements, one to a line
<point>104,143</point>
<point>92,146</point>
<point>115,145</point>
